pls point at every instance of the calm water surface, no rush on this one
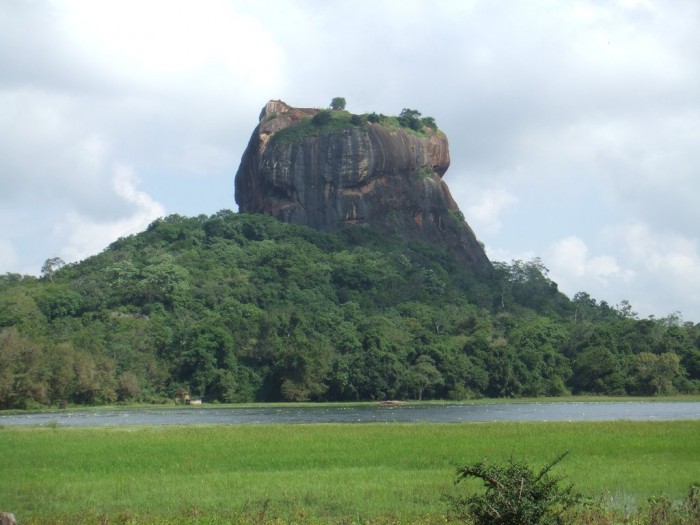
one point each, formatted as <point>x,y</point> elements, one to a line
<point>573,411</point>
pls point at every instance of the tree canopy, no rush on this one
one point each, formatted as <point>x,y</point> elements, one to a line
<point>236,307</point>
<point>338,104</point>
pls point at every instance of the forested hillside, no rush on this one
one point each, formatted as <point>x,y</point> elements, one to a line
<point>237,307</point>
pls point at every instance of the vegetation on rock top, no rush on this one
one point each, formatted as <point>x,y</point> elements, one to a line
<point>337,119</point>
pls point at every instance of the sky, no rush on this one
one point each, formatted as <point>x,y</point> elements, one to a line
<point>574,126</point>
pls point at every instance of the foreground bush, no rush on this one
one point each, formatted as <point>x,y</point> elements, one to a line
<point>514,495</point>
<point>517,495</point>
<point>659,510</point>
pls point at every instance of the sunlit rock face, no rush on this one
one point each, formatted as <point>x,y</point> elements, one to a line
<point>371,174</point>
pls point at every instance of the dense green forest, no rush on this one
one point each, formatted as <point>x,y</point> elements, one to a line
<point>238,307</point>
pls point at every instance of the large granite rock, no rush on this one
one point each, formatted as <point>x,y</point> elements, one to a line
<point>362,173</point>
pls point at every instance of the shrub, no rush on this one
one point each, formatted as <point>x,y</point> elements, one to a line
<point>322,117</point>
<point>662,511</point>
<point>425,172</point>
<point>357,120</point>
<point>691,505</point>
<point>376,118</point>
<point>429,122</point>
<point>410,118</point>
<point>514,495</point>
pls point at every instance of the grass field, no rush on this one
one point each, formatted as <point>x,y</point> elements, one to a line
<point>319,473</point>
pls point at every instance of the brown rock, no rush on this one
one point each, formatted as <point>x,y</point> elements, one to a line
<point>371,174</point>
<point>7,518</point>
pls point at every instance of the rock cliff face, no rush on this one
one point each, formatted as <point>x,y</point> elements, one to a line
<point>340,173</point>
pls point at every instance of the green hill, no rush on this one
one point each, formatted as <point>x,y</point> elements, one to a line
<point>237,307</point>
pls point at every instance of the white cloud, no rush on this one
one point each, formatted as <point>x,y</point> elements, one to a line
<point>85,237</point>
<point>660,272</point>
<point>485,215</point>
<point>507,256</point>
<point>569,256</point>
<point>570,262</point>
<point>664,252</point>
<point>8,254</point>
<point>176,43</point>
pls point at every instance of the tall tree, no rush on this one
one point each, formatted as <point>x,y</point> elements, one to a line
<point>50,266</point>
<point>338,104</point>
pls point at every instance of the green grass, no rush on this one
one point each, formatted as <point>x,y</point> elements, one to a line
<point>320,472</point>
<point>339,121</point>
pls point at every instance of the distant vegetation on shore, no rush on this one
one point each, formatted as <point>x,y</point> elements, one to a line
<point>240,308</point>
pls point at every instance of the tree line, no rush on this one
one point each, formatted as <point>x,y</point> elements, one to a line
<point>236,307</point>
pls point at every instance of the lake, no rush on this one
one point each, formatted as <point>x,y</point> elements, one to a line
<point>434,413</point>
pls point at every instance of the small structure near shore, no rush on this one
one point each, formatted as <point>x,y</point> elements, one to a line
<point>391,403</point>
<point>182,397</point>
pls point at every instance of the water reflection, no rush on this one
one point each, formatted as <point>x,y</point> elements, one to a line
<point>366,414</point>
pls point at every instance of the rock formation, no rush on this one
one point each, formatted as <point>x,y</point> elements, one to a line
<point>350,171</point>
